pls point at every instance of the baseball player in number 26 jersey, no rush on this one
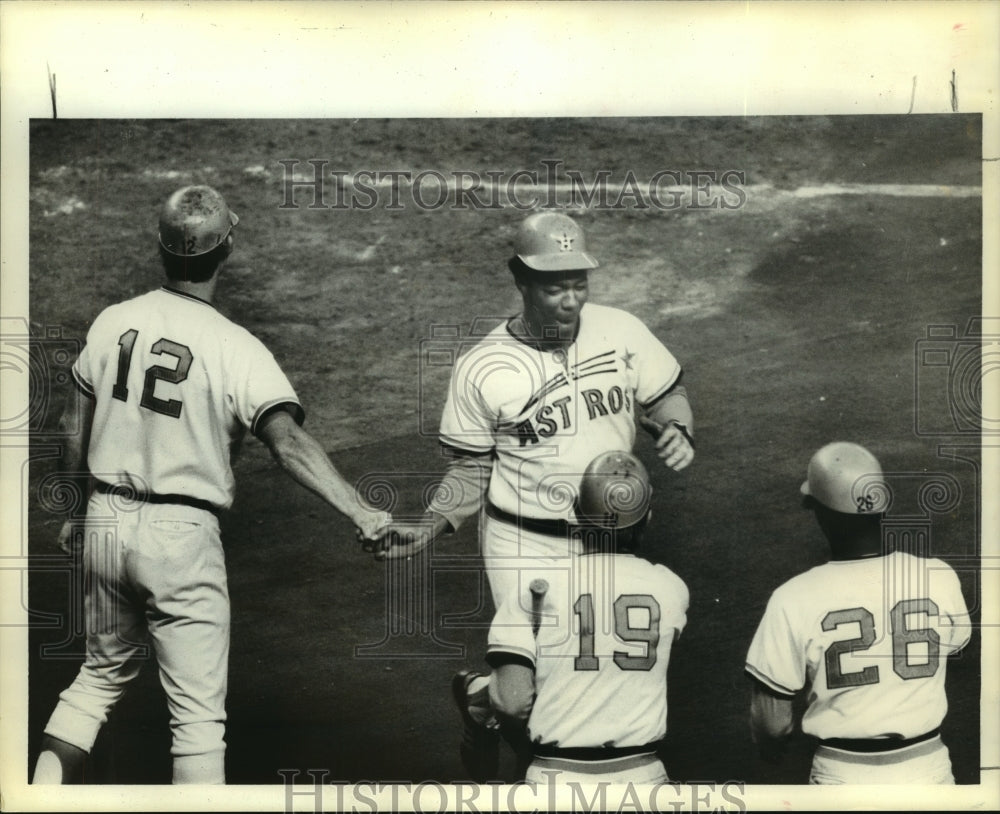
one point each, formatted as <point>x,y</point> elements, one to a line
<point>865,635</point>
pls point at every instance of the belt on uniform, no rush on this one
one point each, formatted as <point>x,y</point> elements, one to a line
<point>152,497</point>
<point>553,528</point>
<point>592,752</point>
<point>877,744</point>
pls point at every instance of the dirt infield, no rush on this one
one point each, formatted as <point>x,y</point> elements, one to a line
<point>799,319</point>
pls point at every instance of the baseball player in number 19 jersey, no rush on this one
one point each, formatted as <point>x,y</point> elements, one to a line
<point>165,388</point>
<point>591,681</point>
<point>865,636</point>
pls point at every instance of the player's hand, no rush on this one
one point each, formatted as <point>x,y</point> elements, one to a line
<point>70,537</point>
<point>672,443</point>
<point>371,525</point>
<point>403,540</point>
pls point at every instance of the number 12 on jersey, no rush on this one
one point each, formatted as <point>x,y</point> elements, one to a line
<point>154,373</point>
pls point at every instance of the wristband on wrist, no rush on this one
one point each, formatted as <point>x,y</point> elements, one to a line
<point>683,429</point>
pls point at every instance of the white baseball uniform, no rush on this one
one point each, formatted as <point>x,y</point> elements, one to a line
<point>544,415</point>
<point>600,658</point>
<point>868,639</point>
<point>175,385</point>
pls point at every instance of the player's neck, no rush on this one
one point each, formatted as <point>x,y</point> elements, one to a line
<point>203,291</point>
<point>857,547</point>
<point>543,336</point>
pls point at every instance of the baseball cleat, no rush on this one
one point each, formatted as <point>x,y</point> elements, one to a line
<point>480,745</point>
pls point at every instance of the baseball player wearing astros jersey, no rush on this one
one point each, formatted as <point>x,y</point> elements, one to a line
<point>590,683</point>
<point>165,388</point>
<point>530,405</point>
<point>865,637</point>
<point>537,399</point>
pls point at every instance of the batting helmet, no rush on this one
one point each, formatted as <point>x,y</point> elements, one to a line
<point>615,491</point>
<point>194,221</point>
<point>551,241</point>
<point>847,478</point>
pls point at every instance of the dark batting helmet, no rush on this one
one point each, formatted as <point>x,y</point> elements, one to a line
<point>615,492</point>
<point>195,220</point>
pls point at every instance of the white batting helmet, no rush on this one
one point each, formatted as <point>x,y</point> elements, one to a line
<point>195,220</point>
<point>552,241</point>
<point>847,478</point>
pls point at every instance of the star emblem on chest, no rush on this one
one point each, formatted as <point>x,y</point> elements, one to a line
<point>627,358</point>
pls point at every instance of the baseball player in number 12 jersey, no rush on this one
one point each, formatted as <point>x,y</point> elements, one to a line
<point>865,636</point>
<point>164,389</point>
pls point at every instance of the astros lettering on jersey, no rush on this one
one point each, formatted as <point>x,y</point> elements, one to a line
<point>548,413</point>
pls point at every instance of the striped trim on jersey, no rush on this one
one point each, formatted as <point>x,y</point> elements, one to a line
<point>883,758</point>
<point>612,766</point>
<point>768,683</point>
<point>664,391</point>
<point>497,655</point>
<point>293,408</point>
<point>184,294</point>
<point>82,384</point>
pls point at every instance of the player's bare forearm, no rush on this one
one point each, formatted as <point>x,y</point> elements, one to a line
<point>671,422</point>
<point>74,428</point>
<point>301,456</point>
<point>512,691</point>
<point>457,497</point>
<point>771,722</point>
<point>74,425</point>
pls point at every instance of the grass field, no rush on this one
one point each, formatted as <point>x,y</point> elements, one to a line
<point>798,316</point>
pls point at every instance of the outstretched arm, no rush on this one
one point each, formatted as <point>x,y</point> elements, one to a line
<point>671,422</point>
<point>457,497</point>
<point>301,456</point>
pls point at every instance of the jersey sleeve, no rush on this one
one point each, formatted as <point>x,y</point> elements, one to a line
<point>955,625</point>
<point>776,659</point>
<point>467,422</point>
<point>511,637</point>
<point>83,378</point>
<point>674,600</point>
<point>657,371</point>
<point>87,369</point>
<point>259,386</point>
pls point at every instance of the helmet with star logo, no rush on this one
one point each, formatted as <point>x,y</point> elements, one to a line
<point>552,241</point>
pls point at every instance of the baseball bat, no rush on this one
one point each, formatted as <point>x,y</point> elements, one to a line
<point>654,428</point>
<point>539,587</point>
